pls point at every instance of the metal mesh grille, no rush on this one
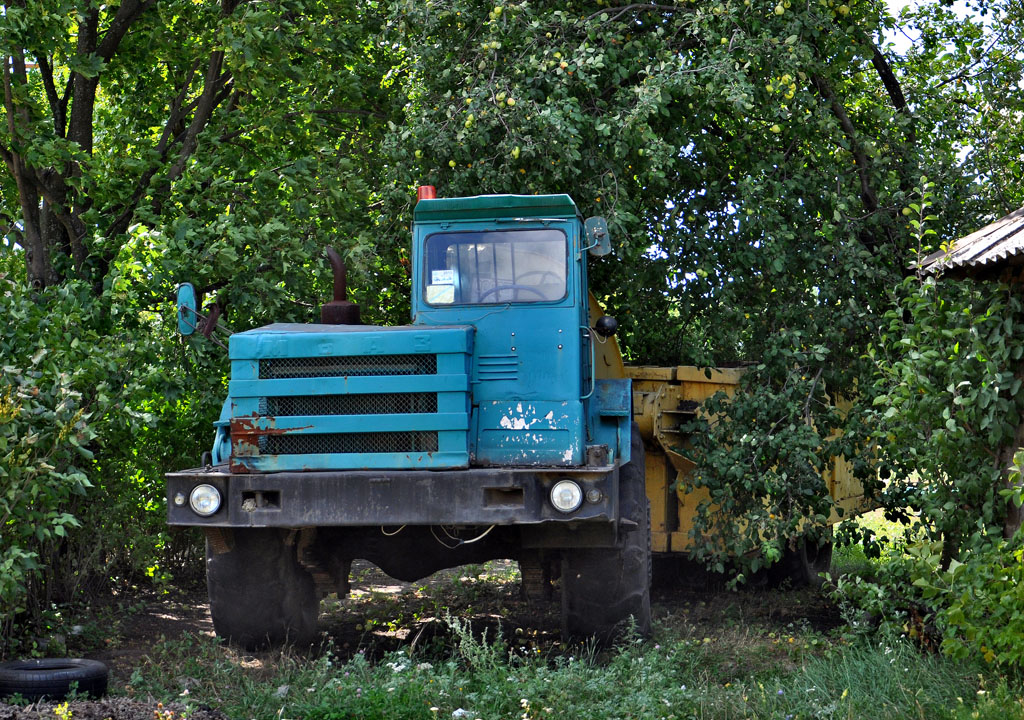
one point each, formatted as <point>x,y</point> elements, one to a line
<point>387,442</point>
<point>348,366</point>
<point>371,404</point>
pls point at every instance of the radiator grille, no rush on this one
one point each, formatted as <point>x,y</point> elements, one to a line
<point>348,366</point>
<point>370,404</point>
<point>385,442</point>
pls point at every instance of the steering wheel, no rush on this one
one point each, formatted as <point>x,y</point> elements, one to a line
<point>517,288</point>
<point>543,276</point>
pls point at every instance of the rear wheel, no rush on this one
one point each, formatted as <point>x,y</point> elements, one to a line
<point>804,562</point>
<point>602,588</point>
<point>260,595</point>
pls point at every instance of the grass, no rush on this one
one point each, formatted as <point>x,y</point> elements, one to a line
<point>716,655</point>
<point>889,534</point>
<point>741,672</point>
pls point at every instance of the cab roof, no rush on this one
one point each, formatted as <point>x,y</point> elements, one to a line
<point>482,207</point>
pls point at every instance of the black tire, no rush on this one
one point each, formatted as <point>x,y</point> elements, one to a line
<point>52,678</point>
<point>260,596</point>
<point>608,590</point>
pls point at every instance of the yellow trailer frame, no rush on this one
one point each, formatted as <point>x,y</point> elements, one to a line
<point>666,398</point>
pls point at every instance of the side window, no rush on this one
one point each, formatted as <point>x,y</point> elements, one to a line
<point>497,267</point>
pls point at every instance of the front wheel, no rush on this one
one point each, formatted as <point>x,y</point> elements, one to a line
<point>260,595</point>
<point>603,588</point>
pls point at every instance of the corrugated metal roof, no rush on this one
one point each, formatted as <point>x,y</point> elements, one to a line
<point>983,249</point>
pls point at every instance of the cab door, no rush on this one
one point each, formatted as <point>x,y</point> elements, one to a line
<point>518,284</point>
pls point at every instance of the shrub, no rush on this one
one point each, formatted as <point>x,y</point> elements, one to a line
<point>92,413</point>
<point>985,613</point>
<point>43,431</point>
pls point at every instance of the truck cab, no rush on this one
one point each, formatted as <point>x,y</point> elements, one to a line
<point>513,268</point>
<point>481,430</point>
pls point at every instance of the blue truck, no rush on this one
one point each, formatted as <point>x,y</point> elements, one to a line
<point>487,428</point>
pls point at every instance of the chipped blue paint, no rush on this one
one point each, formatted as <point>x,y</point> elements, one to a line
<point>528,432</point>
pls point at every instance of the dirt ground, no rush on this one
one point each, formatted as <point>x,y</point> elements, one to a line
<point>383,614</point>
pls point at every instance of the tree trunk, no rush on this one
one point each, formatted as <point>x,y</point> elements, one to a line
<point>39,269</point>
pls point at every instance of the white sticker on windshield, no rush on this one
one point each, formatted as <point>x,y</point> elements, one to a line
<point>440,294</point>
<point>442,277</point>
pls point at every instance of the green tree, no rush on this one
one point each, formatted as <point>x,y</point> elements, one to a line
<point>950,448</point>
<point>146,144</point>
<point>224,127</point>
<point>752,160</point>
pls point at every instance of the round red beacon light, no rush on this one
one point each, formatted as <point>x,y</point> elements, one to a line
<point>426,192</point>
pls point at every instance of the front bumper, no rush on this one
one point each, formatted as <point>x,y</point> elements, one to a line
<point>478,496</point>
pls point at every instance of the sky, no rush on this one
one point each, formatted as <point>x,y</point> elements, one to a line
<point>899,39</point>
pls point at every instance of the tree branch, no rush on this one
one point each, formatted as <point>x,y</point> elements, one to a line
<point>176,114</point>
<point>810,396</point>
<point>66,98</point>
<point>214,88</point>
<point>83,89</point>
<point>127,14</point>
<point>340,111</point>
<point>55,196</point>
<point>867,193</point>
<point>80,126</point>
<point>57,108</point>
<point>892,87</point>
<point>899,101</point>
<point>39,270</point>
<point>120,223</point>
<point>635,6</point>
<point>967,71</point>
<point>213,84</point>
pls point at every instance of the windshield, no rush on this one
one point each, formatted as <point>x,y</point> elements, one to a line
<point>485,268</point>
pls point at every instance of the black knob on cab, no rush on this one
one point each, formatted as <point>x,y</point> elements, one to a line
<point>606,326</point>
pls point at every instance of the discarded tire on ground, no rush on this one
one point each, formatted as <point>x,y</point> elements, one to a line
<point>52,678</point>
<point>602,588</point>
<point>260,595</point>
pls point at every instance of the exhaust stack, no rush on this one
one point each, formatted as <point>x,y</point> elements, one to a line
<point>339,311</point>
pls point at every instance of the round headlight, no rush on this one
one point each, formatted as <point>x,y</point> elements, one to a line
<point>205,500</point>
<point>566,496</point>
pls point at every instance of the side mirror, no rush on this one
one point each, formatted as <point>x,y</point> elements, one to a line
<point>188,320</point>
<point>599,242</point>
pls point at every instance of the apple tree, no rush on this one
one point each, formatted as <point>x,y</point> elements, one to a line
<point>753,160</point>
